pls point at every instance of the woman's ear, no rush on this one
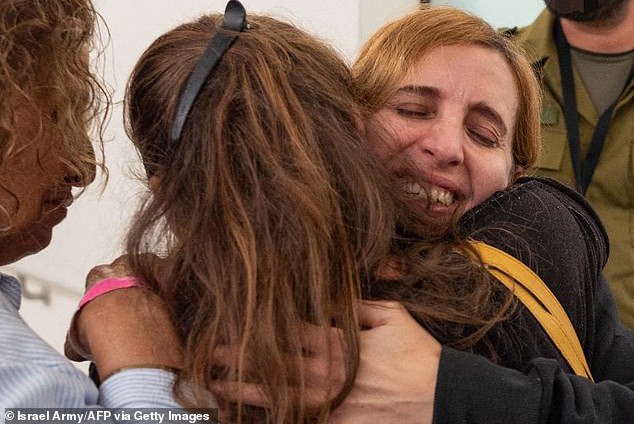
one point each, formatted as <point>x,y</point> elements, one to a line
<point>517,172</point>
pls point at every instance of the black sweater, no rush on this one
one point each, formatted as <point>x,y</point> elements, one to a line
<point>554,231</point>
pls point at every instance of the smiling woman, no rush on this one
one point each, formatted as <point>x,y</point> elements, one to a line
<point>453,116</point>
<point>453,107</point>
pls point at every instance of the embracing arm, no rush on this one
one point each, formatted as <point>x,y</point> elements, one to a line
<point>401,380</point>
<point>130,338</point>
<point>398,366</point>
<point>134,346</point>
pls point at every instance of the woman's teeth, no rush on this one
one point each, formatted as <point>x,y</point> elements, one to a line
<point>414,189</point>
<point>437,195</point>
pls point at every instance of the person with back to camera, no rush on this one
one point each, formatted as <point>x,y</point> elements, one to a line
<point>584,54</point>
<point>49,101</point>
<point>437,84</point>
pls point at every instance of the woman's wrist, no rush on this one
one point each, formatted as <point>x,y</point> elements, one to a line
<point>75,347</point>
<point>129,329</point>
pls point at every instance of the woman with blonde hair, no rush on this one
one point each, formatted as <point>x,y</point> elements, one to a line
<point>452,109</point>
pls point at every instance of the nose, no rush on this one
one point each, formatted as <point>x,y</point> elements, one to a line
<point>77,180</point>
<point>81,175</point>
<point>444,144</point>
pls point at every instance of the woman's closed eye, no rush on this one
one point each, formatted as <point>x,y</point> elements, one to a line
<point>414,111</point>
<point>483,136</point>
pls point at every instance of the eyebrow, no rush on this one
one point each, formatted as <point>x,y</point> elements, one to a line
<point>420,90</point>
<point>481,108</point>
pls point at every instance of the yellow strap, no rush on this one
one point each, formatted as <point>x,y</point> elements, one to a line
<point>539,300</point>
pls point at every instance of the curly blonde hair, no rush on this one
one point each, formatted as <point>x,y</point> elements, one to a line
<point>44,47</point>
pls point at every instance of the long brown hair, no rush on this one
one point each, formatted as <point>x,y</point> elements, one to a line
<point>271,212</point>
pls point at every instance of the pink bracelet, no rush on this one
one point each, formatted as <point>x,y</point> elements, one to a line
<point>107,285</point>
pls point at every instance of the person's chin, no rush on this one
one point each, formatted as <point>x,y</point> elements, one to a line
<point>40,238</point>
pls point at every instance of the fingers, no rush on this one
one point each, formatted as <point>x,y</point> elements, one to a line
<point>324,371</point>
<point>319,340</point>
<point>315,340</point>
<point>247,393</point>
<point>120,267</point>
<point>322,364</point>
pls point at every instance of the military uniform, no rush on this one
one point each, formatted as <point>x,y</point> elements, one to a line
<point>611,191</point>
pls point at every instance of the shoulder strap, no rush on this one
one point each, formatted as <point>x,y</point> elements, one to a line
<point>539,300</point>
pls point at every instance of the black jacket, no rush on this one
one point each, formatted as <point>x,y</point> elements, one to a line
<point>554,231</point>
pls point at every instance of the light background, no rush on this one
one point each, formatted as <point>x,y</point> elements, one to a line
<point>93,231</point>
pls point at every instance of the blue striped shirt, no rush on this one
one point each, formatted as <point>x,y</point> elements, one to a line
<point>33,374</point>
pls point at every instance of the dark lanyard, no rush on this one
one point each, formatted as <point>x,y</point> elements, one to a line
<point>583,169</point>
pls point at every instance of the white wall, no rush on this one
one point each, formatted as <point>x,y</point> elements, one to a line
<point>374,13</point>
<point>500,13</point>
